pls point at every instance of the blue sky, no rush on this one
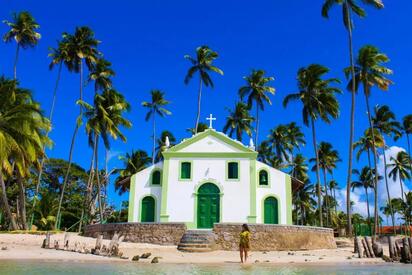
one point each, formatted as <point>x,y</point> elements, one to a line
<point>146,42</point>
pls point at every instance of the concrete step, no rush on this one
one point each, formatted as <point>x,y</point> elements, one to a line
<point>197,241</point>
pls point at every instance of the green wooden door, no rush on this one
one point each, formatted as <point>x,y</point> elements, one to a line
<point>208,205</point>
<point>148,209</point>
<point>271,210</point>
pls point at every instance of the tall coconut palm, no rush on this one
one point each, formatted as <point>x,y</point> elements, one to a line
<point>385,121</point>
<point>328,157</point>
<point>295,136</point>
<point>23,30</point>
<point>279,139</point>
<point>82,48</point>
<point>265,153</point>
<point>370,71</point>
<point>256,90</point>
<point>161,144</point>
<point>319,101</point>
<point>134,162</point>
<point>203,65</point>
<point>349,7</point>
<point>366,181</point>
<point>239,121</point>
<point>333,186</point>
<point>400,168</point>
<point>299,168</point>
<point>407,129</point>
<point>101,74</point>
<point>22,138</point>
<point>156,107</point>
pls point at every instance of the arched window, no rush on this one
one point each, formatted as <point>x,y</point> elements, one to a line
<point>263,178</point>
<point>156,177</point>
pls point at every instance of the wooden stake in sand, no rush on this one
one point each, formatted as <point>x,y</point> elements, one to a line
<point>359,247</point>
<point>391,243</point>
<point>369,245</point>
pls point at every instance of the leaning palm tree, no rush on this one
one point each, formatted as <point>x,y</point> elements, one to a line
<point>256,90</point>
<point>366,181</point>
<point>82,48</point>
<point>279,139</point>
<point>319,101</point>
<point>203,65</point>
<point>349,7</point>
<point>22,128</point>
<point>400,168</point>
<point>385,121</point>
<point>23,31</point>
<point>156,107</point>
<point>328,158</point>
<point>370,71</point>
<point>239,121</point>
<point>407,129</point>
<point>134,162</point>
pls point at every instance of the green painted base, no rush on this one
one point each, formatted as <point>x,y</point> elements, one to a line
<point>164,218</point>
<point>251,219</point>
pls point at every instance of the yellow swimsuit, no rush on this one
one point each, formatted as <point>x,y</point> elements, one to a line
<point>244,239</point>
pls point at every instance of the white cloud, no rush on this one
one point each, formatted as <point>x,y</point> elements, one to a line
<point>358,197</point>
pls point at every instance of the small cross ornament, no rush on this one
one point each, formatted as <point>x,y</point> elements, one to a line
<point>211,119</point>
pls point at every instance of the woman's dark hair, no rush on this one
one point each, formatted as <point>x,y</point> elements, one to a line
<point>245,227</point>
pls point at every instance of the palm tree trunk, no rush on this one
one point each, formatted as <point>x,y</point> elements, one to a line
<point>401,183</point>
<point>98,180</point>
<point>409,152</point>
<point>154,137</point>
<point>7,211</point>
<point>352,122</point>
<point>317,172</point>
<point>326,197</point>
<point>257,125</point>
<point>66,177</point>
<point>334,197</point>
<point>367,206</point>
<point>15,61</point>
<point>22,199</point>
<point>39,177</point>
<point>387,186</point>
<point>199,100</point>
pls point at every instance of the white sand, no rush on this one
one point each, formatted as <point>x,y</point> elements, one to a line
<point>27,246</point>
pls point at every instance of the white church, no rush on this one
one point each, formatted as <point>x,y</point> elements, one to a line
<point>210,178</point>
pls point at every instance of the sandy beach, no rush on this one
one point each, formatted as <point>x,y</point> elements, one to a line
<point>28,247</point>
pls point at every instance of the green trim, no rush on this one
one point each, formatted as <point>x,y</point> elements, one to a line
<point>252,217</point>
<point>165,185</point>
<point>230,155</point>
<point>132,206</point>
<point>151,177</point>
<point>139,218</point>
<point>180,170</point>
<point>279,208</point>
<point>209,132</point>
<point>193,225</point>
<point>227,170</point>
<point>258,178</point>
<point>288,185</point>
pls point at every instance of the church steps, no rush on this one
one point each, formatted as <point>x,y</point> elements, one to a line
<point>197,241</point>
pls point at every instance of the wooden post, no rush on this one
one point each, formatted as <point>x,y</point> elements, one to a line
<point>365,247</point>
<point>410,244</point>
<point>369,245</point>
<point>355,245</point>
<point>66,241</point>
<point>359,247</point>
<point>99,240</point>
<point>391,243</point>
<point>405,256</point>
<point>47,243</point>
<point>398,249</point>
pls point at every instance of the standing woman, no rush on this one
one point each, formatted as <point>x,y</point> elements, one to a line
<point>244,243</point>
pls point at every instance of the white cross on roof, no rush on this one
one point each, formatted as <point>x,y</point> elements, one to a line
<point>211,119</point>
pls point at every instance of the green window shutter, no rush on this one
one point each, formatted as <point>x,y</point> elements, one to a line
<point>186,170</point>
<point>263,178</point>
<point>233,170</point>
<point>156,178</point>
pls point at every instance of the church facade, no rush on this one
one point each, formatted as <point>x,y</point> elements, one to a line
<point>210,178</point>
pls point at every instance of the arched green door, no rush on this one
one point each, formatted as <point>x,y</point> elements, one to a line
<point>208,205</point>
<point>271,210</point>
<point>148,209</point>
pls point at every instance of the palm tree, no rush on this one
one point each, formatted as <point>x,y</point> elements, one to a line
<point>279,140</point>
<point>161,144</point>
<point>370,71</point>
<point>295,136</point>
<point>101,74</point>
<point>265,153</point>
<point>333,186</point>
<point>400,168</point>
<point>365,180</point>
<point>385,121</point>
<point>304,202</point>
<point>82,48</point>
<point>256,90</point>
<point>134,162</point>
<point>156,106</point>
<point>23,31</point>
<point>299,168</point>
<point>319,101</point>
<point>239,121</point>
<point>328,157</point>
<point>201,127</point>
<point>203,65</point>
<point>22,128</point>
<point>349,7</point>
<point>407,129</point>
